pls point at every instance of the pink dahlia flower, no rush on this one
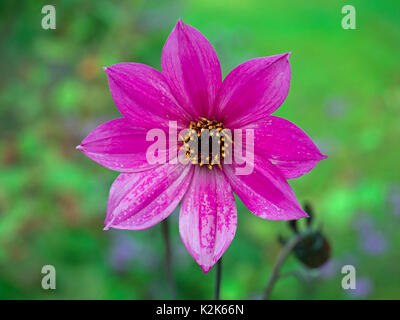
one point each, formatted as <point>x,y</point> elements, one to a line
<point>190,90</point>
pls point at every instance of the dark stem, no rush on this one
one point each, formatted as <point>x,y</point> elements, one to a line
<point>218,279</point>
<point>287,249</point>
<point>168,260</point>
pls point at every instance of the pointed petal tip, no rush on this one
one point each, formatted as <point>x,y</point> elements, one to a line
<point>109,68</point>
<point>286,55</point>
<point>108,224</point>
<point>180,25</point>
<point>306,215</point>
<point>205,268</point>
<point>79,147</point>
<point>112,69</point>
<point>300,214</point>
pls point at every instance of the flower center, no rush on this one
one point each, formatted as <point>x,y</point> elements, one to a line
<point>207,142</point>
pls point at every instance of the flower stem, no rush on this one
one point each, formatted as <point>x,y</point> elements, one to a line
<point>168,260</point>
<point>218,279</point>
<point>287,249</point>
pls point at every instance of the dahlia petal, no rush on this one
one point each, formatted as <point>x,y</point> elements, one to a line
<point>138,201</point>
<point>253,90</point>
<point>142,95</point>
<point>265,192</point>
<point>208,217</point>
<point>119,146</point>
<point>286,146</point>
<point>192,69</point>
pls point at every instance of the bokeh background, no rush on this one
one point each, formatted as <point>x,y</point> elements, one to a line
<point>345,93</point>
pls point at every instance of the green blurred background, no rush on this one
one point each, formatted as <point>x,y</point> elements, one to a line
<point>345,93</point>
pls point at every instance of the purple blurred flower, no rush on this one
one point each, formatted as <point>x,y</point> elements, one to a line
<point>370,240</point>
<point>329,269</point>
<point>125,249</point>
<point>121,252</point>
<point>255,296</point>
<point>332,268</point>
<point>364,287</point>
<point>336,107</point>
<point>393,198</point>
<point>374,243</point>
